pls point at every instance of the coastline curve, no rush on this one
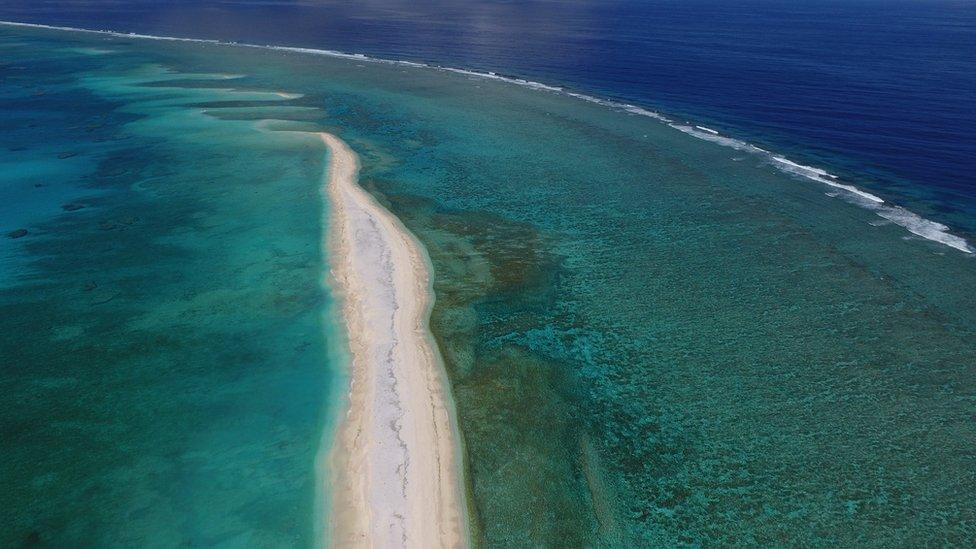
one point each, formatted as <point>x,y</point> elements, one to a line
<point>395,465</point>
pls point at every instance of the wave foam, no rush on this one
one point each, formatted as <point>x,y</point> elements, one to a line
<point>914,223</point>
<point>925,228</point>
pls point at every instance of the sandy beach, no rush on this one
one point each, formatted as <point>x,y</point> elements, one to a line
<point>395,465</point>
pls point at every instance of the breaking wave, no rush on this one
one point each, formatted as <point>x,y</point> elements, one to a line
<point>914,223</point>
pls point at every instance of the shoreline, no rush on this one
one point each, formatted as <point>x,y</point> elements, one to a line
<point>395,465</point>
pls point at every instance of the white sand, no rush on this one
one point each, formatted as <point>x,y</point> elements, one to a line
<point>395,464</point>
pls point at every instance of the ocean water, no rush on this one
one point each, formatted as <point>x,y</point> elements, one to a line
<point>165,358</point>
<point>652,339</point>
<point>878,90</point>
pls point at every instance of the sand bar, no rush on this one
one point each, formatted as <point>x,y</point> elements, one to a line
<point>395,465</point>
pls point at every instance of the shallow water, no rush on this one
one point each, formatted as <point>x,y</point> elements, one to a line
<point>164,356</point>
<point>650,338</point>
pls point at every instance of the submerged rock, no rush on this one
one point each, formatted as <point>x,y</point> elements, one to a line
<point>121,223</point>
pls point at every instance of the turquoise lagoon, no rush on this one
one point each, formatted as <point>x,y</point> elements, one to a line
<point>652,339</point>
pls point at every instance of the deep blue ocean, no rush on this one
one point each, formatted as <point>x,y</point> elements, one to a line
<point>881,90</point>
